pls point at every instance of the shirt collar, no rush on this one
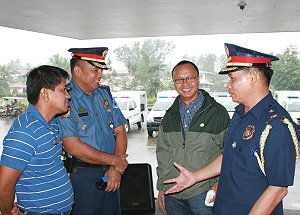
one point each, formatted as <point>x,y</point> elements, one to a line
<point>32,109</point>
<point>77,91</point>
<point>196,103</point>
<point>258,109</point>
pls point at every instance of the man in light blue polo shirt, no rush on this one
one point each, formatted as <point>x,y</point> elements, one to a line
<point>93,133</point>
<point>31,165</point>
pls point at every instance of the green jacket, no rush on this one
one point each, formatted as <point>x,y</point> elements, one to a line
<point>202,144</point>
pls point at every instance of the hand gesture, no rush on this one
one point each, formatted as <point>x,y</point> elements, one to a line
<point>183,181</point>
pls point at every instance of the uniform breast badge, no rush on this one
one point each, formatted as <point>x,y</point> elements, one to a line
<point>248,133</point>
<point>106,104</point>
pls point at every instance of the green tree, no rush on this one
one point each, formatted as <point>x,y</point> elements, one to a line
<point>145,63</point>
<point>61,62</point>
<point>14,65</point>
<point>204,62</point>
<point>287,70</point>
<point>220,81</point>
<point>5,78</point>
<point>210,63</point>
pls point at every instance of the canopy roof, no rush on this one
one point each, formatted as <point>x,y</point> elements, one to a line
<point>97,19</point>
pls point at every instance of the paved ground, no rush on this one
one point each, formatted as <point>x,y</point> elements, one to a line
<point>286,212</point>
<point>141,149</point>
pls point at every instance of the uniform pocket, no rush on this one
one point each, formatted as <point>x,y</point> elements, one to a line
<point>86,126</point>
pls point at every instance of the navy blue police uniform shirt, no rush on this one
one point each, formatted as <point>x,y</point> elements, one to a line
<point>242,181</point>
<point>91,118</point>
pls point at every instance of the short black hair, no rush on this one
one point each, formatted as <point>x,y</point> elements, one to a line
<point>266,72</point>
<point>44,76</point>
<point>183,62</point>
<point>73,63</point>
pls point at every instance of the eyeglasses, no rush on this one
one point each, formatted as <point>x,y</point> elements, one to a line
<point>68,88</point>
<point>189,79</point>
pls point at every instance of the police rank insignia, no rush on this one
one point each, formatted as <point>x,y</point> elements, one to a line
<point>82,112</point>
<point>248,133</point>
<point>106,104</point>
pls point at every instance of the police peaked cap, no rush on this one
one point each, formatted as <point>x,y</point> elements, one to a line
<point>239,57</point>
<point>95,56</point>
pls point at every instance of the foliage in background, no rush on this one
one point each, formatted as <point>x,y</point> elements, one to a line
<point>146,64</point>
<point>210,63</point>
<point>287,70</point>
<point>4,80</point>
<point>148,70</point>
<point>61,62</point>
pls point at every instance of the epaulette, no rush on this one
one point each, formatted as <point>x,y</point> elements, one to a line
<point>272,113</point>
<point>106,87</point>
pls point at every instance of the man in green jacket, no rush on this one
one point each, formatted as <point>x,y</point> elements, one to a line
<point>191,134</point>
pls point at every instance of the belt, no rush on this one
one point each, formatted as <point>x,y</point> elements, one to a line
<point>80,163</point>
<point>37,213</point>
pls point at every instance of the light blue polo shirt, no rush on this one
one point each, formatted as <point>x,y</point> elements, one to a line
<point>33,146</point>
<point>91,118</point>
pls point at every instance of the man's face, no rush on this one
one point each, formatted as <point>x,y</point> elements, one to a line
<point>188,89</point>
<point>59,98</point>
<point>239,86</point>
<point>88,77</point>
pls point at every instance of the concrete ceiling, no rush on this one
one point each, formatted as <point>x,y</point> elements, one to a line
<point>98,19</point>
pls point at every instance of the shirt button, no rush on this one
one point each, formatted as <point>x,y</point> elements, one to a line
<point>240,149</point>
<point>234,145</point>
<point>187,111</point>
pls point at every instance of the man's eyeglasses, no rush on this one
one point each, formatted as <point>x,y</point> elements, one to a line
<point>68,88</point>
<point>189,79</point>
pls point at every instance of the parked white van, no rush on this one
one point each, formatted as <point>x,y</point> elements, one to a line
<point>290,100</point>
<point>224,99</point>
<point>133,105</point>
<point>164,101</point>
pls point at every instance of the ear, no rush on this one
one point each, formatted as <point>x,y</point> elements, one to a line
<point>76,71</point>
<point>253,76</point>
<point>44,94</point>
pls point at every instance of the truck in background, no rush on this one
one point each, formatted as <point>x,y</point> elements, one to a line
<point>163,102</point>
<point>133,105</point>
<point>224,99</point>
<point>290,100</point>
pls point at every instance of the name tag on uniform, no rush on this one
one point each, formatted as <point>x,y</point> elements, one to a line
<point>83,114</point>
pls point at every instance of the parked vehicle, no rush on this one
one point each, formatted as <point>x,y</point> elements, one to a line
<point>224,99</point>
<point>284,95</point>
<point>164,101</point>
<point>133,105</point>
<point>13,108</point>
<point>290,100</point>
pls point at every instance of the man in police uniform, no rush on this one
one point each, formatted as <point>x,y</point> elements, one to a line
<point>260,147</point>
<point>93,133</point>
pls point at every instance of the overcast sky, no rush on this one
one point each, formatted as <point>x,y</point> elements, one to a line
<point>37,48</point>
